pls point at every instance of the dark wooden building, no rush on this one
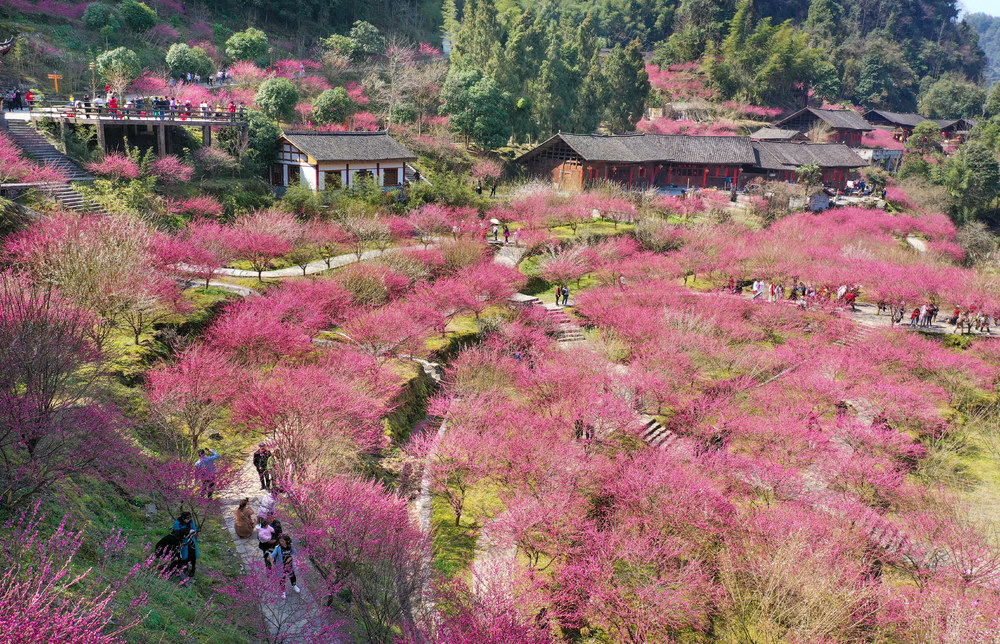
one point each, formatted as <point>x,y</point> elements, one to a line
<point>955,129</point>
<point>846,126</point>
<point>572,161</point>
<point>777,134</point>
<point>641,160</point>
<point>778,161</point>
<point>901,124</point>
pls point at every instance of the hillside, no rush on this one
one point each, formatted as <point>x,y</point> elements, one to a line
<point>988,28</point>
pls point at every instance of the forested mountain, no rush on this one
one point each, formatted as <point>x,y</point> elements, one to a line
<point>988,28</point>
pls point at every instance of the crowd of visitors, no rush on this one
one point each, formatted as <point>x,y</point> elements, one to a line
<point>16,99</point>
<point>219,78</point>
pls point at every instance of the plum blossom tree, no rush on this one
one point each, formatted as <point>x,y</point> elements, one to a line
<point>363,541</point>
<point>191,396</point>
<point>51,371</point>
<point>321,421</point>
<point>43,599</point>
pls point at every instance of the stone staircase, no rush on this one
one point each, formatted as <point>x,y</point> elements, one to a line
<point>655,434</point>
<point>40,149</point>
<point>566,329</point>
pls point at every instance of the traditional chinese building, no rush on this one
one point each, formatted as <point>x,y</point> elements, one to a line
<point>641,161</point>
<point>845,126</point>
<point>778,161</point>
<point>337,160</point>
<point>777,134</point>
<point>901,124</point>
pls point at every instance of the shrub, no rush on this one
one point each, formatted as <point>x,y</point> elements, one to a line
<point>170,169</point>
<point>277,97</point>
<point>332,106</point>
<point>247,45</point>
<point>99,14</point>
<point>137,16</point>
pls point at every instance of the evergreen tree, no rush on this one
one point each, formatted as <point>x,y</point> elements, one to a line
<point>993,102</point>
<point>972,178</point>
<point>822,22</point>
<point>555,91</point>
<point>626,86</point>
<point>587,112</point>
<point>479,37</point>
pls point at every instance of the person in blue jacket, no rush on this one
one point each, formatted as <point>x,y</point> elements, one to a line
<point>186,530</point>
<point>284,556</point>
<point>205,467</point>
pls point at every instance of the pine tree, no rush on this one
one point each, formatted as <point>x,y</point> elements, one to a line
<point>450,24</point>
<point>626,86</point>
<point>587,112</point>
<point>555,90</point>
<point>821,23</point>
<point>479,38</point>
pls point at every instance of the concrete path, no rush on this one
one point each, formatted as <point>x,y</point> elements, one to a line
<point>312,268</point>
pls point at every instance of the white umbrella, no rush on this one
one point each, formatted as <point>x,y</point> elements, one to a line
<point>495,221</point>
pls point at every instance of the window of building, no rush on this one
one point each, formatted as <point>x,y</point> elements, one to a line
<point>294,174</point>
<point>362,175</point>
<point>333,180</point>
<point>277,175</point>
<point>390,176</point>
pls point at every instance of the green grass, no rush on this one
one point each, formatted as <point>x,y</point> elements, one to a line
<point>455,546</point>
<point>592,229</point>
<point>460,329</point>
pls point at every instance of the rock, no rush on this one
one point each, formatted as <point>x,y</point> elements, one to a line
<point>215,436</point>
<point>150,509</point>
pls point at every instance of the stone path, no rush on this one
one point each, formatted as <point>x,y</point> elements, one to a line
<point>299,616</point>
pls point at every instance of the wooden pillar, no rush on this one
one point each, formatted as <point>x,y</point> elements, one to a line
<point>704,178</point>
<point>347,175</point>
<point>206,136</point>
<point>101,138</point>
<point>161,140</point>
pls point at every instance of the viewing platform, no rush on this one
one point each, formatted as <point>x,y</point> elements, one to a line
<point>139,121</point>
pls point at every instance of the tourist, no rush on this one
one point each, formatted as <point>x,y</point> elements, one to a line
<point>244,519</point>
<point>496,232</point>
<point>260,459</point>
<point>479,188</point>
<point>205,467</point>
<point>922,320</point>
<point>565,295</point>
<point>517,234</point>
<point>914,316</point>
<point>284,556</point>
<point>506,234</point>
<point>265,539</point>
<point>186,531</point>
<point>493,189</point>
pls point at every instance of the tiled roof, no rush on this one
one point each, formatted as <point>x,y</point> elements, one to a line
<point>775,155</point>
<point>898,118</point>
<point>774,134</point>
<point>647,148</point>
<point>349,146</point>
<point>842,119</point>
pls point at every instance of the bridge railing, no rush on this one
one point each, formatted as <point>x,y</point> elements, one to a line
<point>179,115</point>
